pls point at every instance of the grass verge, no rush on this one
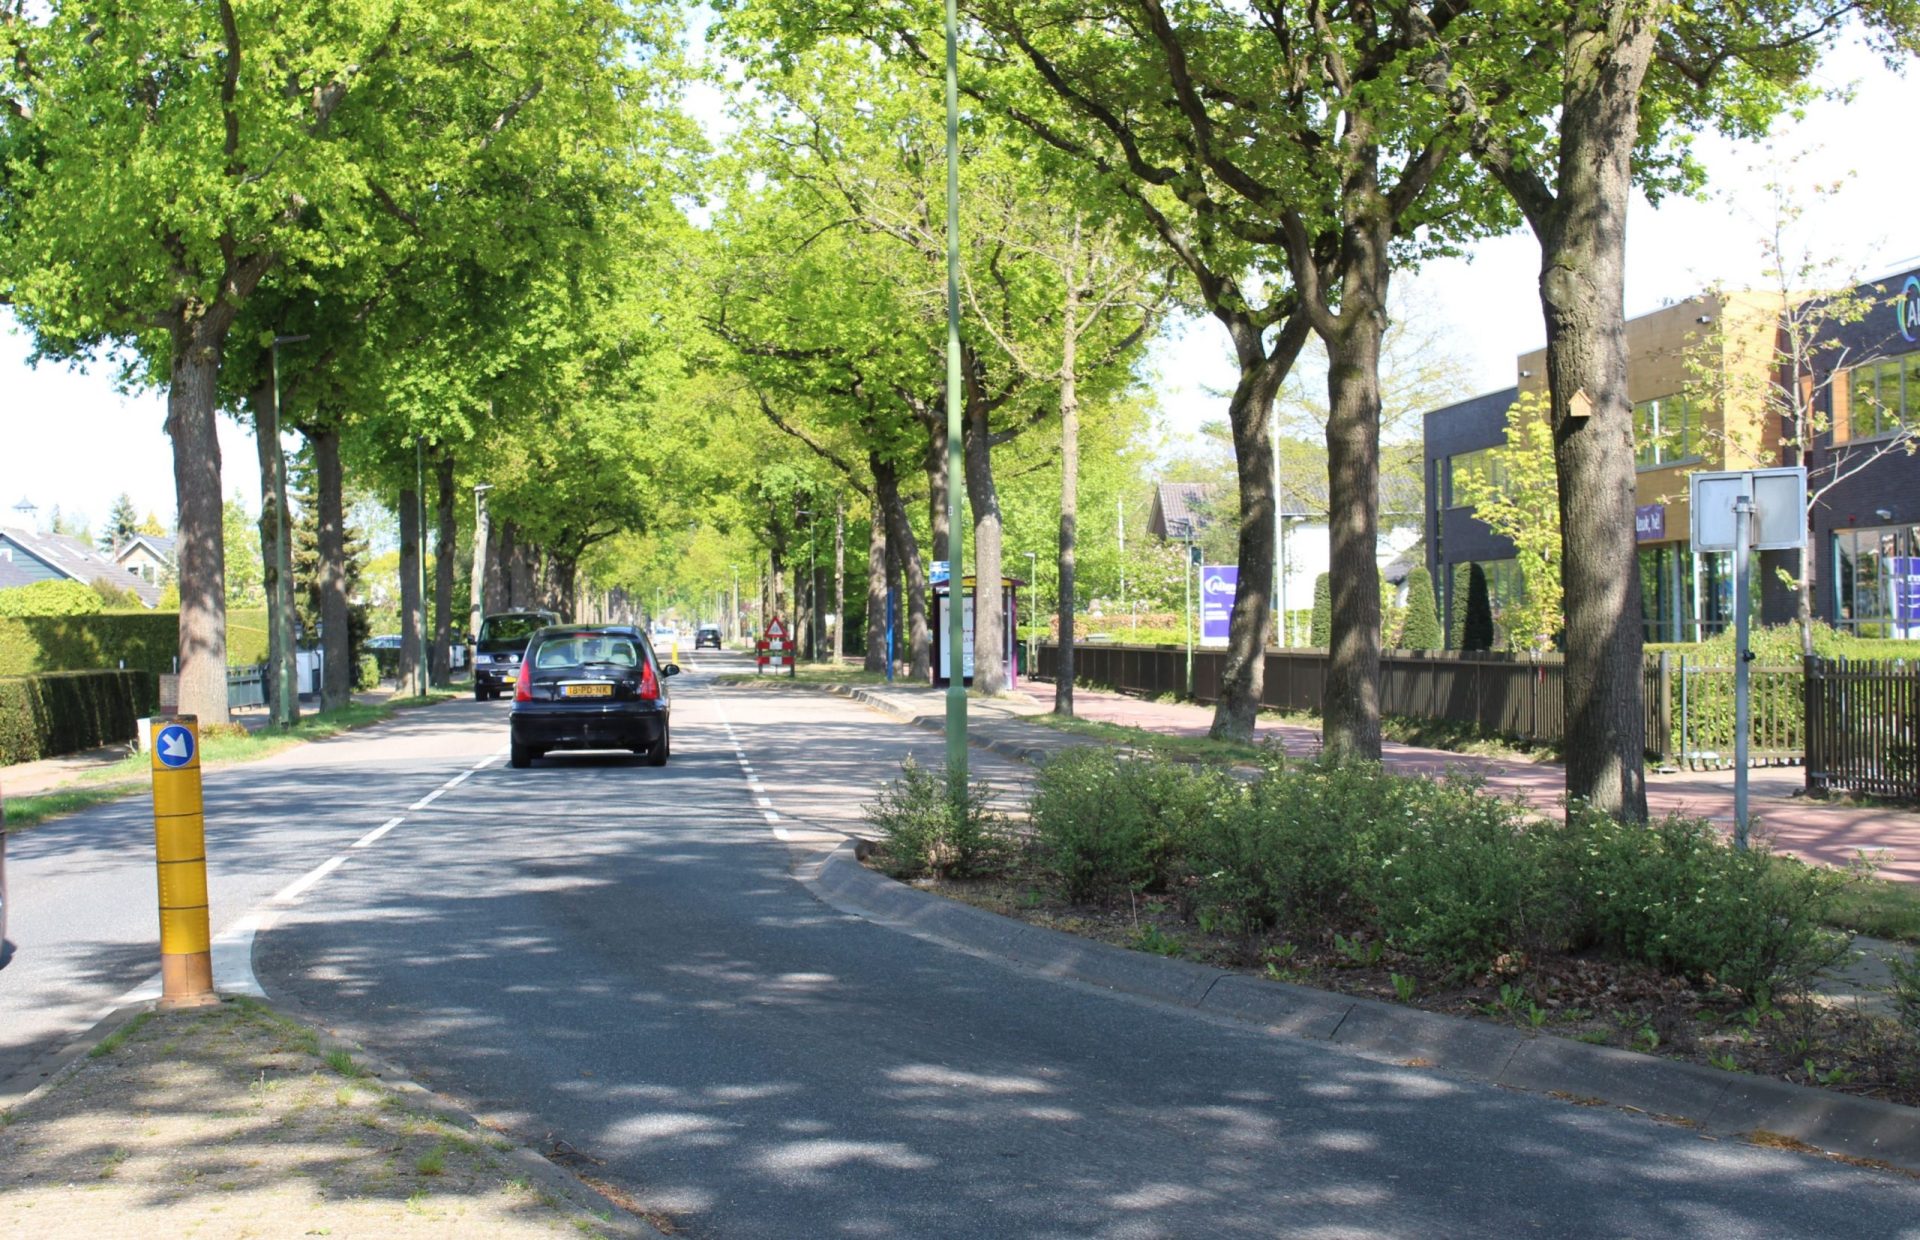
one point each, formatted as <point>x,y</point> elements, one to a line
<point>810,674</point>
<point>220,747</point>
<point>1881,909</point>
<point>1189,748</point>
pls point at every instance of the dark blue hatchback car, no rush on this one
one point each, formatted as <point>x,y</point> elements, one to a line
<point>591,687</point>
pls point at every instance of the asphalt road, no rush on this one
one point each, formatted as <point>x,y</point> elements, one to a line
<point>615,961</point>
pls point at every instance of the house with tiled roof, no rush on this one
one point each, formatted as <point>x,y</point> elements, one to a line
<point>27,556</point>
<point>1182,509</point>
<point>151,557</point>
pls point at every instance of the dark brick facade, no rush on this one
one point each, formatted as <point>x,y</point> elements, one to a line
<point>1891,484</point>
<point>1453,534</point>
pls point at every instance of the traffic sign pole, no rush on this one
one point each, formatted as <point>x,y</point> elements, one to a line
<point>1742,658</point>
<point>180,847</point>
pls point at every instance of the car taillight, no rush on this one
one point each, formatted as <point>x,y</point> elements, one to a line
<point>649,684</point>
<point>523,687</point>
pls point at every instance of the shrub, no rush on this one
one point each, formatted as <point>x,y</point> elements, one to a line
<point>367,673</point>
<point>1674,895</point>
<point>1422,631</point>
<point>1476,632</point>
<point>1457,606</point>
<point>1290,852</point>
<point>929,831</point>
<point>1108,824</point>
<point>145,640</point>
<point>1320,632</point>
<point>56,597</point>
<point>1906,990</point>
<point>115,596</point>
<point>66,712</point>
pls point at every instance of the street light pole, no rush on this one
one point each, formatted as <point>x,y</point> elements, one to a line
<point>1033,579</point>
<point>956,465</point>
<point>276,539</point>
<point>1186,583</point>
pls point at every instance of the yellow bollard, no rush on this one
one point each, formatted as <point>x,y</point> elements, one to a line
<point>180,841</point>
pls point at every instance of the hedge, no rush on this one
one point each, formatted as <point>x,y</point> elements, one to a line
<point>66,712</point>
<point>145,640</point>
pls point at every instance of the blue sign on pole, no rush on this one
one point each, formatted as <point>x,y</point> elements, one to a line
<point>174,745</point>
<point>1217,585</point>
<point>1904,574</point>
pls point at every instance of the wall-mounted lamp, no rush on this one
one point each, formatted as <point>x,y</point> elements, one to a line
<point>1526,374</point>
<point>1705,318</point>
<point>1885,514</point>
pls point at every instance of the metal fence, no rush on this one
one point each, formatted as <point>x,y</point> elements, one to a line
<point>1689,705</point>
<point>247,686</point>
<point>1863,727</point>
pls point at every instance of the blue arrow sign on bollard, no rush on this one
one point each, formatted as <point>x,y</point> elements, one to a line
<point>174,745</point>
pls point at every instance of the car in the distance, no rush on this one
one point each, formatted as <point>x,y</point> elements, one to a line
<point>591,687</point>
<point>503,641</point>
<point>707,635</point>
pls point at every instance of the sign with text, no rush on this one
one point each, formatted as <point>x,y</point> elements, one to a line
<point>966,622</point>
<point>1217,585</point>
<point>1903,576</point>
<point>1650,523</point>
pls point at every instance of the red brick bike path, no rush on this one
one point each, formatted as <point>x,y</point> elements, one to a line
<point>1831,833</point>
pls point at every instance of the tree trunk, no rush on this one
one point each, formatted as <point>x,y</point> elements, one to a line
<point>276,556</point>
<point>482,542</point>
<point>522,590</point>
<point>1350,705</point>
<point>1249,412</point>
<point>338,673</point>
<point>445,548</point>
<point>563,572</point>
<point>900,539</point>
<point>839,578</point>
<point>495,595</point>
<point>876,658</point>
<point>937,482</point>
<point>410,635</point>
<point>192,398</point>
<point>1069,495</point>
<point>1582,291</point>
<point>989,622</point>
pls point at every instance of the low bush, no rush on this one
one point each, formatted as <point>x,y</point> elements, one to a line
<point>1440,869</point>
<point>929,831</point>
<point>1109,824</point>
<point>55,597</point>
<point>66,712</point>
<point>1674,895</point>
<point>367,673</point>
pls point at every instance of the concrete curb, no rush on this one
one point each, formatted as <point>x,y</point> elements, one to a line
<point>51,1070</point>
<point>1722,1103</point>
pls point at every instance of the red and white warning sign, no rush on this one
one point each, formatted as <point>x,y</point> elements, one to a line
<point>774,648</point>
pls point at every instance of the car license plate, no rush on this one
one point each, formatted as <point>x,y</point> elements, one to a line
<point>600,690</point>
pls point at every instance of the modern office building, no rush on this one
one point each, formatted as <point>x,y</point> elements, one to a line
<point>1702,377</point>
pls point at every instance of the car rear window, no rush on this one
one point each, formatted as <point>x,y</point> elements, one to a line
<point>508,628</point>
<point>582,649</point>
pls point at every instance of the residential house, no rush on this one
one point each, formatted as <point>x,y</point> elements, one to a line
<point>150,557</point>
<point>29,556</point>
<point>1306,541</point>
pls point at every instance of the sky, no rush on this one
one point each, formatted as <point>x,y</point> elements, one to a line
<point>71,438</point>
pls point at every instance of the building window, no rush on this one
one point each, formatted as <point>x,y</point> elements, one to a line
<point>1480,464</point>
<point>1664,431</point>
<point>1883,397</point>
<point>1876,581</point>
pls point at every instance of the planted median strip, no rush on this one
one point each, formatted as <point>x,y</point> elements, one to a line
<point>1436,895</point>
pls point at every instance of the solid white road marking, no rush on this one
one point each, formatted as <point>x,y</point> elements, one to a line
<point>300,886</point>
<point>377,832</point>
<point>456,781</point>
<point>426,800</point>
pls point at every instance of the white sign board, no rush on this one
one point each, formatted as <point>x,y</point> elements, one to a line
<point>966,620</point>
<point>1779,508</point>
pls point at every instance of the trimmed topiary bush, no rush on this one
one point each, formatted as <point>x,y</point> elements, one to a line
<point>1477,631</point>
<point>1457,607</point>
<point>1422,629</point>
<point>1321,632</point>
